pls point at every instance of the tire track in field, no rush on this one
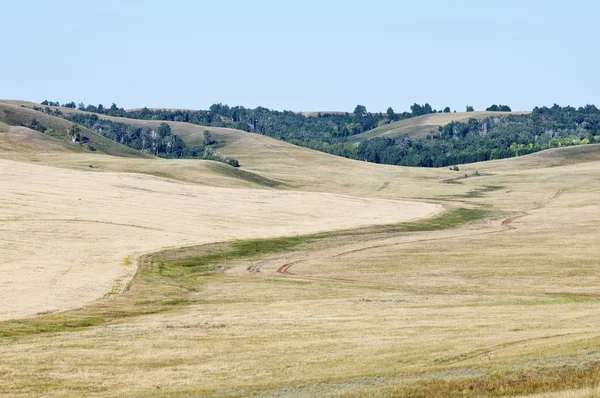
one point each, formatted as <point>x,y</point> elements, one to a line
<point>76,220</point>
<point>497,347</point>
<point>506,225</point>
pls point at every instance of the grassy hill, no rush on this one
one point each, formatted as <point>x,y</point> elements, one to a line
<point>192,134</point>
<point>421,126</point>
<point>17,114</point>
<point>329,134</point>
<point>270,162</point>
<point>288,166</point>
<point>56,149</point>
<point>325,283</point>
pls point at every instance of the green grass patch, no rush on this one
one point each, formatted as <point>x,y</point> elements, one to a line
<point>180,301</point>
<point>48,324</point>
<point>475,193</point>
<point>452,219</point>
<point>480,191</point>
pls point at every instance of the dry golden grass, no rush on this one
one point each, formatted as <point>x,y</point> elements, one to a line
<point>84,224</point>
<point>508,306</point>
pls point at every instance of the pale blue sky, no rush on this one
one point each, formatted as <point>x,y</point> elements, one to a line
<point>302,55</point>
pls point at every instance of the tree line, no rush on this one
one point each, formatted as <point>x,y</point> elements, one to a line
<point>327,132</point>
<point>475,140</point>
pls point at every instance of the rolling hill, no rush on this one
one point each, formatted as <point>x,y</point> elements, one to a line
<point>299,274</point>
<point>274,163</point>
<point>421,126</point>
<point>287,166</point>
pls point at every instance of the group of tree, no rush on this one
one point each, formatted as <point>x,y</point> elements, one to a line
<point>35,125</point>
<point>279,124</point>
<point>50,103</point>
<point>56,103</point>
<point>499,108</point>
<point>158,142</point>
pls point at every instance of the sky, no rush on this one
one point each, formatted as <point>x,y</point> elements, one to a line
<point>302,55</point>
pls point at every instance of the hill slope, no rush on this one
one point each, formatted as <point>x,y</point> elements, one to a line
<point>58,131</point>
<point>297,167</point>
<point>447,305</point>
<point>421,126</point>
<point>22,144</point>
<point>300,168</point>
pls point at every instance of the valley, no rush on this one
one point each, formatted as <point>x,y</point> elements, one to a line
<point>299,273</point>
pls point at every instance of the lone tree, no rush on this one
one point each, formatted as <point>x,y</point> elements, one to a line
<point>470,108</point>
<point>391,114</point>
<point>75,133</point>
<point>360,110</point>
<point>208,140</point>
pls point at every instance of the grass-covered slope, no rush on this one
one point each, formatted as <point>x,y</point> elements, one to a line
<point>453,306</point>
<point>421,126</point>
<point>505,305</point>
<point>269,162</point>
<point>54,147</point>
<point>58,131</point>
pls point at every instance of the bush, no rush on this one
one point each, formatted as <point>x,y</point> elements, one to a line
<point>233,162</point>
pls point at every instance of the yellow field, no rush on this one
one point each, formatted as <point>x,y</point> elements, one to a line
<point>496,296</point>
